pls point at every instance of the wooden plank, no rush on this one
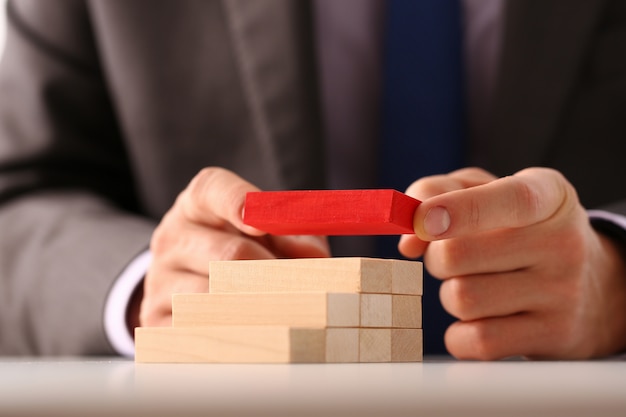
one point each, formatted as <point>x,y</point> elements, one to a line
<point>301,275</point>
<point>361,275</point>
<point>244,344</point>
<point>331,212</point>
<point>297,309</point>
<point>288,309</point>
<point>390,345</point>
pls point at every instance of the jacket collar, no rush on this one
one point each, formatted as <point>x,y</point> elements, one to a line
<point>273,44</point>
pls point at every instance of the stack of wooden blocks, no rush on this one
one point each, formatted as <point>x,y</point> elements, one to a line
<point>295,311</point>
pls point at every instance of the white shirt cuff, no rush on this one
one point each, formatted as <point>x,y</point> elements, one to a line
<point>616,219</point>
<point>117,302</point>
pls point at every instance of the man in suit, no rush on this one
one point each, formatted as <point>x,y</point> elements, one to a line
<point>111,112</point>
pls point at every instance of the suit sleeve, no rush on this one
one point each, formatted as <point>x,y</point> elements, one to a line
<point>69,218</point>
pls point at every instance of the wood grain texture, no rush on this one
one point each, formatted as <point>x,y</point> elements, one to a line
<point>374,345</point>
<point>287,309</point>
<point>342,345</point>
<point>376,310</point>
<point>360,275</point>
<point>406,311</point>
<point>331,212</point>
<point>390,345</point>
<point>275,344</point>
<point>407,345</point>
<point>391,311</point>
<point>245,344</point>
<point>406,277</point>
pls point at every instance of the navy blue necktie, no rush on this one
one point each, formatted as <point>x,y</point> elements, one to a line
<point>423,115</point>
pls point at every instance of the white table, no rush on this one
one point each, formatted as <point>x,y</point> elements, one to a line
<point>117,387</point>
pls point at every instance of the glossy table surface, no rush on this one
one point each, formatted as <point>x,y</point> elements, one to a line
<point>437,387</point>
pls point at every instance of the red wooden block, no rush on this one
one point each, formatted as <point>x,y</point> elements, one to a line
<point>334,212</point>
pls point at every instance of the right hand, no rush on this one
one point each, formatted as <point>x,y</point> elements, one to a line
<point>205,223</point>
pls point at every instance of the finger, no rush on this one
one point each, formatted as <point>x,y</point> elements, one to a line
<point>216,197</point>
<point>191,247</point>
<point>500,250</point>
<point>299,246</point>
<point>412,246</point>
<point>529,197</point>
<point>495,295</point>
<point>482,253</point>
<point>502,337</point>
<point>431,186</point>
<point>156,306</point>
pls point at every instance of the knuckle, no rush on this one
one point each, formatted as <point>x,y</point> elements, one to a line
<point>146,315</point>
<point>190,199</point>
<point>527,203</point>
<point>209,175</point>
<point>551,195</point>
<point>236,248</point>
<point>484,344</point>
<point>214,195</point>
<point>473,214</point>
<point>458,298</point>
<point>438,260</point>
<point>168,242</point>
<point>445,258</point>
<point>479,172</point>
<point>161,241</point>
<point>151,315</point>
<point>152,310</point>
<point>429,186</point>
<point>202,181</point>
<point>475,173</point>
<point>471,340</point>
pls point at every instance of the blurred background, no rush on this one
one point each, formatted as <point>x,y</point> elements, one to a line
<point>2,12</point>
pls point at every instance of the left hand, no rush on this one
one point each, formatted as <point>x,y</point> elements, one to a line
<point>522,268</point>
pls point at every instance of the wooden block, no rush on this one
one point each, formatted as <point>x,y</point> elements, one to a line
<point>374,345</point>
<point>362,275</point>
<point>301,275</point>
<point>406,277</point>
<point>376,310</point>
<point>244,344</point>
<point>331,212</point>
<point>406,311</point>
<point>390,345</point>
<point>391,311</point>
<point>288,309</point>
<point>342,345</point>
<point>406,345</point>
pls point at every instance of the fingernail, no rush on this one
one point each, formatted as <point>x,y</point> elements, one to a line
<point>437,221</point>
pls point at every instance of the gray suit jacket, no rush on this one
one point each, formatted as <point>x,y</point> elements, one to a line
<point>109,107</point>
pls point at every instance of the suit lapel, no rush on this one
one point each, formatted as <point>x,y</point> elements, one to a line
<point>273,46</point>
<point>543,49</point>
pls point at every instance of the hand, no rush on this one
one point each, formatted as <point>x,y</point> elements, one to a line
<point>206,224</point>
<point>522,269</point>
